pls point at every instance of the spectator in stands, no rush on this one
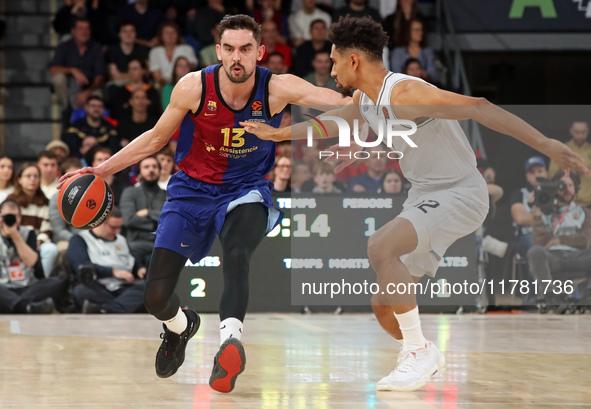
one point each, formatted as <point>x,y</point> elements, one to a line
<point>415,47</point>
<point>49,167</point>
<point>23,287</point>
<point>162,58</point>
<point>111,280</point>
<point>204,20</point>
<point>137,81</point>
<point>376,166</point>
<point>119,181</point>
<point>397,25</point>
<point>34,209</point>
<point>270,10</point>
<point>121,54</point>
<point>141,206</point>
<point>59,148</point>
<point>391,182</point>
<point>321,74</point>
<point>182,67</point>
<point>6,177</point>
<point>208,54</point>
<point>88,143</point>
<point>93,124</point>
<point>275,63</point>
<point>579,131</point>
<point>284,148</point>
<point>490,244</point>
<point>78,68</point>
<point>560,240</point>
<point>521,212</point>
<point>71,10</point>
<point>324,179</point>
<point>62,231</point>
<point>281,174</point>
<point>130,127</point>
<point>301,174</point>
<point>304,54</point>
<point>300,21</point>
<point>270,39</point>
<point>357,9</point>
<point>412,67</point>
<point>146,19</point>
<point>165,157</point>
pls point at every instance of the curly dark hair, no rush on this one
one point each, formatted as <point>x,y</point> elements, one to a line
<point>359,33</point>
<point>240,22</point>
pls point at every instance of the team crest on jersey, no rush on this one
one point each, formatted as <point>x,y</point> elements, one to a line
<point>257,108</point>
<point>212,106</point>
<point>386,113</point>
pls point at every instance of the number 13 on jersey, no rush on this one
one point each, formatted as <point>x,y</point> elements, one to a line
<point>237,139</point>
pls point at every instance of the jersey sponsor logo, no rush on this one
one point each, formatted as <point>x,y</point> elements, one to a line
<point>212,106</point>
<point>209,147</point>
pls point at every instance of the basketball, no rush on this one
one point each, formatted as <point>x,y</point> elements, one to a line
<point>85,201</point>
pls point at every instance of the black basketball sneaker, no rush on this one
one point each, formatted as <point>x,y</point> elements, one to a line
<point>171,354</point>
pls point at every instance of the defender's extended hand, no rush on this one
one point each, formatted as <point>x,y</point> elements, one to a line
<point>566,158</point>
<point>262,131</point>
<point>340,152</point>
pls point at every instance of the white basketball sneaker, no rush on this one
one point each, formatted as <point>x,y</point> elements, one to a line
<point>414,369</point>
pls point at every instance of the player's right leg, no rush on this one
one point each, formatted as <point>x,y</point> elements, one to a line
<point>161,301</point>
<point>419,359</point>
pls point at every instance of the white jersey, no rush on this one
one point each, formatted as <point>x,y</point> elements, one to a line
<point>443,157</point>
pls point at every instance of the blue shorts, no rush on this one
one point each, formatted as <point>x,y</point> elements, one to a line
<point>195,211</point>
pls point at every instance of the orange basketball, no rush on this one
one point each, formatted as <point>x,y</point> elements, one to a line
<point>85,201</point>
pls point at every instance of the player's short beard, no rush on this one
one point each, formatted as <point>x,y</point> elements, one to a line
<point>346,91</point>
<point>238,79</point>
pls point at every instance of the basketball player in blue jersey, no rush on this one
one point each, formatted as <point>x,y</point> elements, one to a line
<point>449,198</point>
<point>220,189</point>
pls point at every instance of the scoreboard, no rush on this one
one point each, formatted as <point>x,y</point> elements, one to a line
<point>322,243</point>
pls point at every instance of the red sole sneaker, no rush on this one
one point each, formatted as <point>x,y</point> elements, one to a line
<point>227,365</point>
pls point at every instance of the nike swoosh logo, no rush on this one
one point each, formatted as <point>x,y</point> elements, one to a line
<point>184,245</point>
<point>206,114</point>
<point>223,327</point>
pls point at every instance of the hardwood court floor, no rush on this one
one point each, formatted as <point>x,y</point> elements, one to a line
<point>294,361</point>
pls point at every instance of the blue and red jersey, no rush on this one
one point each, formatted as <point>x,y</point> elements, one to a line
<point>213,147</point>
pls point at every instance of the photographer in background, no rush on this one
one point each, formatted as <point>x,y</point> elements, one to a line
<point>23,286</point>
<point>561,237</point>
<point>521,212</point>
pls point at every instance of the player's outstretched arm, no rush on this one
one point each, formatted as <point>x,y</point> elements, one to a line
<point>185,97</point>
<point>349,112</point>
<point>414,99</point>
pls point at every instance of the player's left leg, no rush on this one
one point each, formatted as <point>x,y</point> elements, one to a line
<point>419,359</point>
<point>243,230</point>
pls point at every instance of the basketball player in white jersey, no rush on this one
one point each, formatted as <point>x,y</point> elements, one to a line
<point>448,199</point>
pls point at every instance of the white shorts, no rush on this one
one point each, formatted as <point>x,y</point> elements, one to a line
<point>440,218</point>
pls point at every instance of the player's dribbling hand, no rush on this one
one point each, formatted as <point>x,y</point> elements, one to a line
<point>566,158</point>
<point>68,175</point>
<point>262,131</point>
